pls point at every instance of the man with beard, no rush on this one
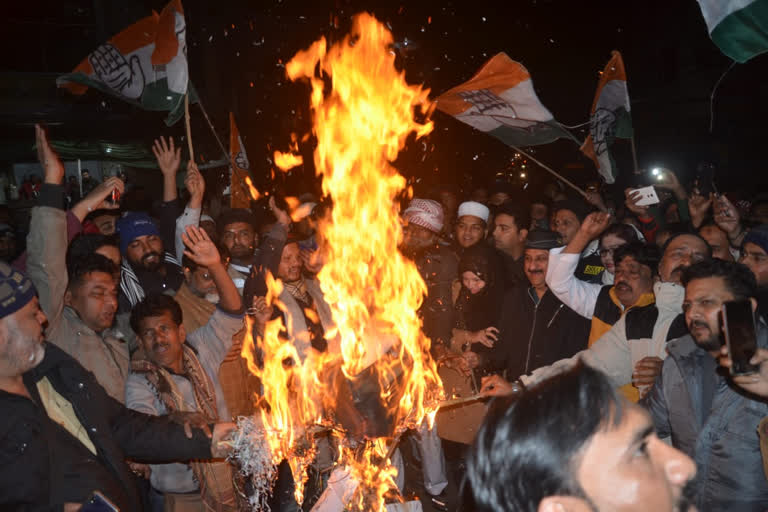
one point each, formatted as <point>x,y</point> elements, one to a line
<point>572,444</point>
<point>147,267</point>
<point>700,408</point>
<point>632,351</point>
<point>178,372</point>
<point>237,234</point>
<point>754,254</point>
<point>63,437</point>
<point>150,263</point>
<point>536,328</point>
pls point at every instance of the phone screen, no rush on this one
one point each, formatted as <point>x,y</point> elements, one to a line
<point>740,336</point>
<point>97,502</point>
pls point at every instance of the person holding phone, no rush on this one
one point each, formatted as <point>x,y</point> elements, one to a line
<point>704,412</point>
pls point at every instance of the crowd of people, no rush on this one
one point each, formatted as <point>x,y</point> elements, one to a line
<point>593,327</point>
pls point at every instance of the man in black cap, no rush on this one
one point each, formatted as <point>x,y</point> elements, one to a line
<point>536,328</point>
<point>568,216</point>
<point>62,436</point>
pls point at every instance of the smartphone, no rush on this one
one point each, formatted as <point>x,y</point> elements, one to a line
<point>740,336</point>
<point>97,502</point>
<point>648,196</point>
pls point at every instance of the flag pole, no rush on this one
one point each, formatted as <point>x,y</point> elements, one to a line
<point>634,152</point>
<point>213,130</point>
<point>551,171</point>
<point>224,151</point>
<point>189,128</point>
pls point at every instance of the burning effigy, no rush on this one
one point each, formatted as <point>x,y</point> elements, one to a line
<point>377,377</point>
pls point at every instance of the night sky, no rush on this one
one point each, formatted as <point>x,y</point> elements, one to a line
<point>237,50</point>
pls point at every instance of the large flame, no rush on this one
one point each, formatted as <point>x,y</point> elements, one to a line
<point>363,113</point>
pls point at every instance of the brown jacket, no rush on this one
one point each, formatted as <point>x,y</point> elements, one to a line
<point>237,383</point>
<point>104,354</point>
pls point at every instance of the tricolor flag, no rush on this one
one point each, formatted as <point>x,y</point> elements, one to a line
<point>609,118</point>
<point>239,198</point>
<point>738,27</point>
<point>145,64</point>
<point>500,101</point>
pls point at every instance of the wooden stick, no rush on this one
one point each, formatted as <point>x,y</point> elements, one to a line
<point>213,131</point>
<point>189,128</point>
<point>634,153</point>
<point>551,171</point>
<point>459,401</point>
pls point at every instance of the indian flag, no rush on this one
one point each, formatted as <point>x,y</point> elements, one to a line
<point>145,64</point>
<point>609,118</point>
<point>738,27</point>
<point>500,101</point>
<point>239,198</point>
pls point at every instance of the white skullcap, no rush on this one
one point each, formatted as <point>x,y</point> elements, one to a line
<point>475,209</point>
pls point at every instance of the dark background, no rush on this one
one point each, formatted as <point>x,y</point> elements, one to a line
<point>237,50</point>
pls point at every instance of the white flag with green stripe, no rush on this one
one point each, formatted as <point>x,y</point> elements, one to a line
<point>738,27</point>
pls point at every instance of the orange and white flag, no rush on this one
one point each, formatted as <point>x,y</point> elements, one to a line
<point>145,64</point>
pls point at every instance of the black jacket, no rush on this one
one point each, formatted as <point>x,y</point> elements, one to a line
<point>42,466</point>
<point>533,335</point>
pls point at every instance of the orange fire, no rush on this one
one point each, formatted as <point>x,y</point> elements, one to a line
<point>255,194</point>
<point>287,161</point>
<point>361,122</point>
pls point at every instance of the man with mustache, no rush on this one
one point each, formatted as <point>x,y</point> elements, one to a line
<point>238,235</point>
<point>536,328</point>
<point>147,267</point>
<point>573,444</point>
<point>633,349</point>
<point>178,372</point>
<point>63,436</point>
<point>635,267</point>
<point>698,405</point>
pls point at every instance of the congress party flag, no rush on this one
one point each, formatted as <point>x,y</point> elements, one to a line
<point>500,101</point>
<point>145,64</point>
<point>610,117</point>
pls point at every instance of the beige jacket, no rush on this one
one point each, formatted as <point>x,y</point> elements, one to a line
<point>103,354</point>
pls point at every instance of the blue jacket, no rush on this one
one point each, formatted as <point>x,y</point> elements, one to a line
<point>715,423</point>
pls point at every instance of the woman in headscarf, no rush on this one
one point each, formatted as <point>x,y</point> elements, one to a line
<point>478,307</point>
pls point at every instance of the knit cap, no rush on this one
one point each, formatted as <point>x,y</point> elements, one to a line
<point>758,236</point>
<point>16,290</point>
<point>133,225</point>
